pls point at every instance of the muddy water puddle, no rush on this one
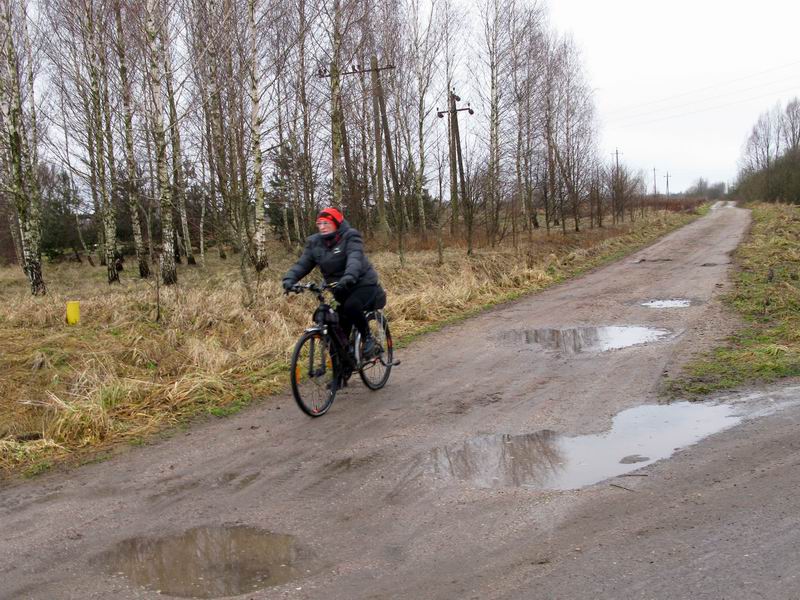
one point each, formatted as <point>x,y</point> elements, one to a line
<point>671,303</point>
<point>210,562</point>
<point>546,460</point>
<point>589,339</point>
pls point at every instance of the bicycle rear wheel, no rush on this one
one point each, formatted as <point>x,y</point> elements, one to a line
<point>375,371</point>
<point>313,376</point>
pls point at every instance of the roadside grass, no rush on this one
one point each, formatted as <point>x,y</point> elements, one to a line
<point>767,295</point>
<point>119,376</point>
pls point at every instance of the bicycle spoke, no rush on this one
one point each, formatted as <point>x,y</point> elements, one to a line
<point>313,381</point>
<point>375,371</point>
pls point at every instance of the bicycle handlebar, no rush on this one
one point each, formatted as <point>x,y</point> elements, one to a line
<point>298,288</point>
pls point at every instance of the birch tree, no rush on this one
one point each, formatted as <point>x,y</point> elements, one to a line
<point>256,123</point>
<point>178,175</point>
<point>426,42</point>
<point>154,19</point>
<point>22,185</point>
<point>95,55</point>
<point>132,186</point>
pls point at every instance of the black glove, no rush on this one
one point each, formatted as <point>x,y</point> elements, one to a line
<point>346,282</point>
<point>288,284</point>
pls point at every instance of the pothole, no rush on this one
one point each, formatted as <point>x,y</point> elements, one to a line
<point>671,303</point>
<point>210,562</point>
<point>654,260</point>
<point>589,339</point>
<point>545,460</point>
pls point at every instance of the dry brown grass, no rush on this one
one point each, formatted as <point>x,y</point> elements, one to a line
<point>119,375</point>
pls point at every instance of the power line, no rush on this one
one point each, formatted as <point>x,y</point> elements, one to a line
<point>655,111</point>
<point>692,112</point>
<point>704,88</point>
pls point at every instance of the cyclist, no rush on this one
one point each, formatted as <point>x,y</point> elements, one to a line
<point>338,250</point>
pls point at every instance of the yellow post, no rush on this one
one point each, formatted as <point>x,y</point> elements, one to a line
<point>73,312</point>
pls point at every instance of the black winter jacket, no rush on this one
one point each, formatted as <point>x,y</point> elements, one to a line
<point>342,254</point>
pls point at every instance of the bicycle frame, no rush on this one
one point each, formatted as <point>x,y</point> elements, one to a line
<point>326,322</point>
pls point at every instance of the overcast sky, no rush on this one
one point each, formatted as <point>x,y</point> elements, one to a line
<point>679,84</point>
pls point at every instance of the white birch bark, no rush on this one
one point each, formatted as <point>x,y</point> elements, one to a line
<point>256,123</point>
<point>169,274</point>
<point>24,185</point>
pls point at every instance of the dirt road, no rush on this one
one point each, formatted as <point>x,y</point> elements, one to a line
<point>452,482</point>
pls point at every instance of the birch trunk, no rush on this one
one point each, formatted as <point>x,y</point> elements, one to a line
<point>296,175</point>
<point>178,178</point>
<point>256,123</point>
<point>132,184</point>
<point>308,181</point>
<point>96,123</point>
<point>284,200</point>
<point>90,147</point>
<point>169,274</point>
<point>24,186</point>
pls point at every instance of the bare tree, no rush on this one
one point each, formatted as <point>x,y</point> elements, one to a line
<point>763,145</point>
<point>178,175</point>
<point>256,123</point>
<point>154,20</point>
<point>790,126</point>
<point>132,180</point>
<point>574,149</point>
<point>496,55</point>
<point>222,77</point>
<point>22,185</point>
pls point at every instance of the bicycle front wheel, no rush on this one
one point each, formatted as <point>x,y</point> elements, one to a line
<point>312,374</point>
<point>375,371</point>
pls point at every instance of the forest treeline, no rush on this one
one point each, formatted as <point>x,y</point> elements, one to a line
<point>769,169</point>
<point>162,128</point>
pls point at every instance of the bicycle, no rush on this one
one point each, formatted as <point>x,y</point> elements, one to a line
<point>324,358</point>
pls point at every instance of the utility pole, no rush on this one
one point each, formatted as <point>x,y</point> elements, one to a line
<point>451,104</point>
<point>339,135</point>
<point>655,188</point>
<point>383,224</point>
<point>667,178</point>
<point>616,195</point>
<point>455,156</point>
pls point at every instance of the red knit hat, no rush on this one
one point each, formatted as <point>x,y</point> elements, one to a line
<point>332,215</point>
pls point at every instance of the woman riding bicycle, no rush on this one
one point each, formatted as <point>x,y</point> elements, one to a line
<point>338,251</point>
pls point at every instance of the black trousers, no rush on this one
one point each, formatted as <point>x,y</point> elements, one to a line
<point>352,305</point>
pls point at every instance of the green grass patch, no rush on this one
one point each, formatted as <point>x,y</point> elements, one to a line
<point>37,468</point>
<point>230,409</point>
<point>767,296</point>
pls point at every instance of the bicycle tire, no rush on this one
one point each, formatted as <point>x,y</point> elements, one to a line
<point>374,372</point>
<point>313,376</point>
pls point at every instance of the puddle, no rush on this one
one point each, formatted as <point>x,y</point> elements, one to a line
<point>590,339</point>
<point>673,303</point>
<point>723,204</point>
<point>545,460</point>
<point>209,562</point>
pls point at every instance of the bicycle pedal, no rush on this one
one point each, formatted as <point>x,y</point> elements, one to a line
<point>395,363</point>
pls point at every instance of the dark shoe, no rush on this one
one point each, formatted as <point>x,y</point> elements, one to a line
<point>370,347</point>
